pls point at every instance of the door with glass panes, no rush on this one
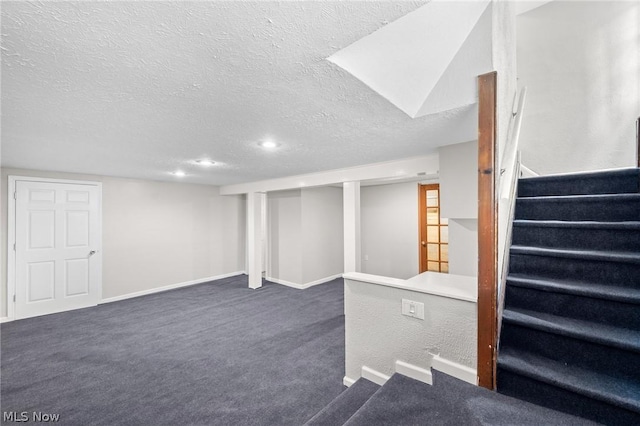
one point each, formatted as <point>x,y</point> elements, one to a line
<point>434,231</point>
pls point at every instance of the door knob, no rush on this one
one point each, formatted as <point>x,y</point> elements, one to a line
<point>92,252</point>
<point>424,244</point>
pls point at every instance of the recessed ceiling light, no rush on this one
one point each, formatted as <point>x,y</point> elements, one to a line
<point>179,173</point>
<point>268,144</point>
<point>205,162</point>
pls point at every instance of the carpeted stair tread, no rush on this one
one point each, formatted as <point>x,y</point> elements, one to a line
<point>404,401</point>
<point>345,404</point>
<point>600,291</point>
<point>600,182</point>
<point>629,225</point>
<point>599,207</point>
<point>581,197</point>
<point>603,334</point>
<point>601,255</point>
<point>620,393</point>
<point>605,235</point>
<point>604,272</point>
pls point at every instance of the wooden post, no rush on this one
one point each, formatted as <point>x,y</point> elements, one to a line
<point>487,231</point>
<point>638,142</point>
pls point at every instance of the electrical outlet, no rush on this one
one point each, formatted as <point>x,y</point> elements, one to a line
<point>413,309</point>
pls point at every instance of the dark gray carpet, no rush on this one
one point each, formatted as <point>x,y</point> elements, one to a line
<point>451,402</point>
<point>212,354</point>
<point>345,405</point>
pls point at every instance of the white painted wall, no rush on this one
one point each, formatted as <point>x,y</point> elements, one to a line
<point>322,245</point>
<point>463,247</point>
<point>581,64</point>
<point>378,335</point>
<point>459,200</point>
<point>503,52</point>
<point>305,234</point>
<point>284,217</point>
<point>459,180</point>
<point>390,233</point>
<point>156,233</point>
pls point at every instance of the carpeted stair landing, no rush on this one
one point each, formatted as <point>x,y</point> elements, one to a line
<point>450,402</point>
<point>345,405</point>
<point>570,337</point>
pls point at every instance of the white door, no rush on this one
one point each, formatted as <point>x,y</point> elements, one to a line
<point>58,247</point>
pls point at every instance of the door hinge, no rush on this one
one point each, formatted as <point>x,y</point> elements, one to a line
<point>14,298</point>
<point>15,195</point>
<point>14,246</point>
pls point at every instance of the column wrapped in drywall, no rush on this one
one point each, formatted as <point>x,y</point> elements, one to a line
<point>352,241</point>
<point>255,205</point>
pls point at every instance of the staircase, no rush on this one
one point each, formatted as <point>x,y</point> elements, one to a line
<point>452,402</point>
<point>570,337</point>
<point>345,405</point>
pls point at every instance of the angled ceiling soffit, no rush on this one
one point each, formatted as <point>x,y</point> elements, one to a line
<point>425,62</point>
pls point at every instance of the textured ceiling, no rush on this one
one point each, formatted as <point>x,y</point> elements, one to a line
<point>140,89</point>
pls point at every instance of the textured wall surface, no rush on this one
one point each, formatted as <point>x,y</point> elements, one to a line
<point>156,234</point>
<point>377,334</point>
<point>581,64</point>
<point>139,89</point>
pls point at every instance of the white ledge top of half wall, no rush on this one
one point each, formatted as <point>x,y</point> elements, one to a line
<point>458,287</point>
<point>405,60</point>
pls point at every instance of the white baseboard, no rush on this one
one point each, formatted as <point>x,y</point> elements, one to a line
<point>454,369</point>
<point>347,381</point>
<point>424,375</point>
<point>414,372</point>
<point>5,319</point>
<point>374,376</point>
<point>169,287</point>
<point>305,285</point>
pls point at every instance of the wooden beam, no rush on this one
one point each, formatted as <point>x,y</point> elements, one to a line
<point>638,142</point>
<point>487,230</point>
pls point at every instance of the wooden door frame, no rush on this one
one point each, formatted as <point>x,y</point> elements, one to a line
<point>422,224</point>
<point>487,231</point>
<point>11,234</point>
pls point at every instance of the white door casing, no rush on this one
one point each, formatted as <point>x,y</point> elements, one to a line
<point>58,259</point>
